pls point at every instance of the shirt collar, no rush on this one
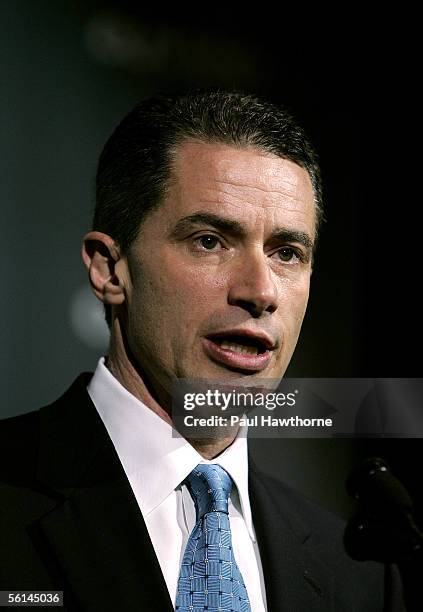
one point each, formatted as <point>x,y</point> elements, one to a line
<point>147,445</point>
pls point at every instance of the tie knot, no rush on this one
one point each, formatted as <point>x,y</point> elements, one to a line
<point>210,487</point>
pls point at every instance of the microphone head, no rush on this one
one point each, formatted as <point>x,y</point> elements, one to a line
<point>374,485</point>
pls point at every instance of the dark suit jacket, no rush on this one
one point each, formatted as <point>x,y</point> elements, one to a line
<point>70,521</point>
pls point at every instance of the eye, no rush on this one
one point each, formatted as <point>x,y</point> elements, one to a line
<point>208,242</point>
<point>288,255</point>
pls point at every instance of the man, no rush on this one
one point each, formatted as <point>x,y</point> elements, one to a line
<point>207,212</point>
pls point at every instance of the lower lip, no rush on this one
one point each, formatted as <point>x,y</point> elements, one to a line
<point>241,361</point>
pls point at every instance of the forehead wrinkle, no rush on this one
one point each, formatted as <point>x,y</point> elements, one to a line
<point>241,202</point>
<point>223,196</point>
<point>266,205</point>
<point>265,189</point>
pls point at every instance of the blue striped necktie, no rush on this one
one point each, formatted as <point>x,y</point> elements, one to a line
<point>210,579</point>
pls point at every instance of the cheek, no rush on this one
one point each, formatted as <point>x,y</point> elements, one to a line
<point>293,305</point>
<point>194,288</point>
<point>176,295</point>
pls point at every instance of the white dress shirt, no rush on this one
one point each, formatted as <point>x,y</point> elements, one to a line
<point>156,462</point>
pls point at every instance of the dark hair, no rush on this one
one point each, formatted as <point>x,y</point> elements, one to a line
<point>136,162</point>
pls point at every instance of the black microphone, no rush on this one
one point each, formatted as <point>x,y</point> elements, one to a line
<point>384,528</point>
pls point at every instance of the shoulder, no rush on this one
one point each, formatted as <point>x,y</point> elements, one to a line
<point>21,436</point>
<point>19,440</point>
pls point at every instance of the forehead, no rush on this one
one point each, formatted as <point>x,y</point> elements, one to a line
<point>196,159</point>
<point>246,184</point>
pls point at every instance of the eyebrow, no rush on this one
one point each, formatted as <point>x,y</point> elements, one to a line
<point>234,227</point>
<point>221,223</point>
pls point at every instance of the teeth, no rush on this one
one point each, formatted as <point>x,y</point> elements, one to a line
<point>239,348</point>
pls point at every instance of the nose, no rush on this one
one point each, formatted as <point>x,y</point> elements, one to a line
<point>253,286</point>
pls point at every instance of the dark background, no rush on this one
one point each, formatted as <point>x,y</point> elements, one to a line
<point>71,70</point>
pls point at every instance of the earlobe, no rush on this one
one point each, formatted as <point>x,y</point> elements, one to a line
<point>101,254</point>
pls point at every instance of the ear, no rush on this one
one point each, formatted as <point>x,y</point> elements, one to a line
<point>102,255</point>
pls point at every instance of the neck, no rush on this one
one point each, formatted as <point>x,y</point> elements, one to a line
<point>121,364</point>
<point>211,448</point>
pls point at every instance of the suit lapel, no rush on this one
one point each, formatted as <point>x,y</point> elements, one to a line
<point>295,578</point>
<point>95,539</point>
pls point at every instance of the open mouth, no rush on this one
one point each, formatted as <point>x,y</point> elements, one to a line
<point>239,352</point>
<point>240,344</point>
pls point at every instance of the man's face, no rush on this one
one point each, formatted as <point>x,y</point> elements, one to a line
<point>220,271</point>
